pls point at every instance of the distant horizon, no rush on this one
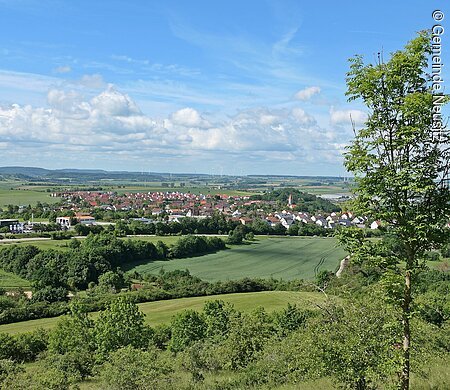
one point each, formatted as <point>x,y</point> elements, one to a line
<point>166,173</point>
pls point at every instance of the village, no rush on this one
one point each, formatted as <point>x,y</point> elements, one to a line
<point>173,206</point>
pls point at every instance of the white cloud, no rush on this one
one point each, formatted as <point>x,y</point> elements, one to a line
<point>307,93</point>
<point>267,119</point>
<point>94,81</point>
<point>130,60</point>
<point>63,69</point>
<point>111,124</point>
<point>302,117</point>
<point>28,82</point>
<point>339,117</point>
<point>67,104</point>
<point>188,117</point>
<point>114,103</point>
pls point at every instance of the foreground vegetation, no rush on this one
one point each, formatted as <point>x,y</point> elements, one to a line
<point>161,312</point>
<point>347,337</point>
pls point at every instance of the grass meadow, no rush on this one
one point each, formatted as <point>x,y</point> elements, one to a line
<point>9,281</point>
<point>160,312</point>
<point>24,197</point>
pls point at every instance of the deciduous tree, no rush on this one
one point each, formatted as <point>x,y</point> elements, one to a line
<point>401,164</point>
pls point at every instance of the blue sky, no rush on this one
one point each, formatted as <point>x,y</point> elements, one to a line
<point>233,87</point>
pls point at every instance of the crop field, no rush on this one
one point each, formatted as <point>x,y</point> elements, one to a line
<point>24,197</point>
<point>160,312</point>
<point>10,281</point>
<point>279,257</point>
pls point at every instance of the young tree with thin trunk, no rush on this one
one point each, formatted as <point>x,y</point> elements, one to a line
<point>400,160</point>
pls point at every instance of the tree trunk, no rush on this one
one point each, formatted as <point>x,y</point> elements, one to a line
<point>404,379</point>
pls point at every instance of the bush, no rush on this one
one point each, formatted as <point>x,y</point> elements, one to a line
<point>432,256</point>
<point>187,327</point>
<point>8,346</point>
<point>50,294</point>
<point>290,319</point>
<point>121,324</point>
<point>24,347</point>
<point>236,236</point>
<point>31,344</point>
<point>161,336</point>
<point>76,365</point>
<point>133,369</point>
<point>247,336</point>
<point>217,316</point>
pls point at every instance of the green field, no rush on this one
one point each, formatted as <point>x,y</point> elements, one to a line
<point>24,197</point>
<point>169,240</point>
<point>11,281</point>
<point>62,244</point>
<point>41,244</point>
<point>160,312</point>
<point>279,257</point>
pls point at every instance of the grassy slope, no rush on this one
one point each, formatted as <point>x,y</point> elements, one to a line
<point>278,257</point>
<point>162,311</point>
<point>41,244</point>
<point>62,244</point>
<point>10,281</point>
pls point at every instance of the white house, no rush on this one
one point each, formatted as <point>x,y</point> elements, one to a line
<point>321,222</point>
<point>345,222</point>
<point>375,225</point>
<point>64,222</point>
<point>286,222</point>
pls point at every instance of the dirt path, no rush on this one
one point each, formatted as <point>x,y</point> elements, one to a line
<point>343,265</point>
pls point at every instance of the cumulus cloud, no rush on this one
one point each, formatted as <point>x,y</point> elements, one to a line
<point>113,103</point>
<point>302,117</point>
<point>67,104</point>
<point>268,119</point>
<point>111,123</point>
<point>188,117</point>
<point>341,117</point>
<point>307,93</point>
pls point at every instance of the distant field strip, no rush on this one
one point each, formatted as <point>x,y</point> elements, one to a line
<point>24,197</point>
<point>279,257</point>
<point>161,312</point>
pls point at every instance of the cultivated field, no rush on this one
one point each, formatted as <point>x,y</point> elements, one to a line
<point>278,257</point>
<point>24,197</point>
<point>160,312</point>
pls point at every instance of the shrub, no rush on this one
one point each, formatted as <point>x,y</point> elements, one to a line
<point>121,324</point>
<point>133,369</point>
<point>187,327</point>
